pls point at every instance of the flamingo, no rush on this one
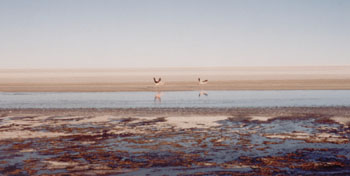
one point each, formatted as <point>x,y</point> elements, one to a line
<point>158,82</point>
<point>201,82</point>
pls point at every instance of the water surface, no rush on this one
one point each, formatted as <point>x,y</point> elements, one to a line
<point>176,99</point>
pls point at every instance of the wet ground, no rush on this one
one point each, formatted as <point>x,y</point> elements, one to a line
<point>306,141</point>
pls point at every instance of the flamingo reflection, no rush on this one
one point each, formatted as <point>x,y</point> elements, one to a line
<point>203,93</point>
<point>158,97</point>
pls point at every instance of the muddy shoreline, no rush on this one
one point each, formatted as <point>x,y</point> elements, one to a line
<point>172,141</point>
<point>336,110</point>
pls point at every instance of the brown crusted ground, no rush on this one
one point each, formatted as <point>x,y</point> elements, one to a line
<point>121,141</point>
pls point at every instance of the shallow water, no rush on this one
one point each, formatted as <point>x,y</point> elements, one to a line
<point>235,146</point>
<point>176,99</point>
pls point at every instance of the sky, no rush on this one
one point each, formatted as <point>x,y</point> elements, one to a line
<point>173,33</point>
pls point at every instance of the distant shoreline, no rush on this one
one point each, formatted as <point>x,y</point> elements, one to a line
<point>329,84</point>
<point>176,79</point>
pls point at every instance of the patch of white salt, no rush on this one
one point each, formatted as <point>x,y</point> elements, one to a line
<point>95,119</point>
<point>260,118</point>
<point>342,120</point>
<point>24,134</point>
<point>59,164</point>
<point>27,150</point>
<point>195,121</point>
<point>319,137</point>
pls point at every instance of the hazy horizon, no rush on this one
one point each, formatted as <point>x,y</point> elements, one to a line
<point>152,34</point>
<point>178,67</point>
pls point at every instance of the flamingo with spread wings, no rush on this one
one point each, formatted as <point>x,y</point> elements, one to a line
<point>201,82</point>
<point>158,82</point>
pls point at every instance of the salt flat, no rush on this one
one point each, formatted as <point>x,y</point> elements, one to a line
<point>220,78</point>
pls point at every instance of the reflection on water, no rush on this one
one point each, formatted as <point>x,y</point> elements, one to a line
<point>203,93</point>
<point>176,99</point>
<point>159,94</point>
<point>158,97</point>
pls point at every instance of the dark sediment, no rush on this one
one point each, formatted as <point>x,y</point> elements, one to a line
<point>296,141</point>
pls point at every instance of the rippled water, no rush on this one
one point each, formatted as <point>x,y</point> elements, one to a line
<point>176,99</point>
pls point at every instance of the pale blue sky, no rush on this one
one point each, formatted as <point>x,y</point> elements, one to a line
<point>163,33</point>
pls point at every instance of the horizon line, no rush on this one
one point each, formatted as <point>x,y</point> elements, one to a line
<point>167,67</point>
